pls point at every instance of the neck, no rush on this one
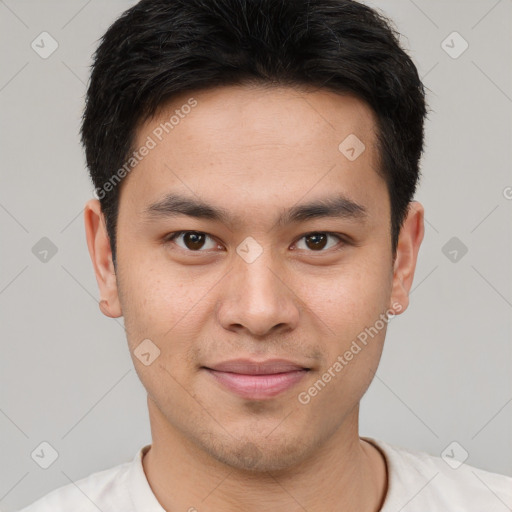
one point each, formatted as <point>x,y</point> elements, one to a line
<point>346,473</point>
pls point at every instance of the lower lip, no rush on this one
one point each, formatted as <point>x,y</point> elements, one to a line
<point>258,387</point>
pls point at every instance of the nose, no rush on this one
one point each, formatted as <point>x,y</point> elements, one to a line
<point>257,299</point>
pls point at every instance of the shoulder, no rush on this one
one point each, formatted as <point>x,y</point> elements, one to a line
<point>417,480</point>
<point>98,491</point>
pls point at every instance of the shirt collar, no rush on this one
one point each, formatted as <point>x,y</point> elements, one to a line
<point>140,491</point>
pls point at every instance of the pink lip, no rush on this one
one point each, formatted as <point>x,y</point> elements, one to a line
<point>257,380</point>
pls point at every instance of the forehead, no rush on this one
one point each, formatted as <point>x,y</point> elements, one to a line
<point>249,145</point>
<point>266,114</point>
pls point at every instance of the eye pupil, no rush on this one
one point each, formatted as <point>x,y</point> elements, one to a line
<point>193,240</point>
<point>319,241</point>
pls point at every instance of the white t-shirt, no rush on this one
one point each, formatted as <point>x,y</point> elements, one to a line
<point>417,482</point>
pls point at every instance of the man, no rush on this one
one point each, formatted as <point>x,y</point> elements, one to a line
<point>254,163</point>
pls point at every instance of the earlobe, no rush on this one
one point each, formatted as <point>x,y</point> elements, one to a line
<point>409,242</point>
<point>101,257</point>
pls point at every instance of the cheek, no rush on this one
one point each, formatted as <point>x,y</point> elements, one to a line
<point>167,308</point>
<point>351,309</point>
<point>350,300</point>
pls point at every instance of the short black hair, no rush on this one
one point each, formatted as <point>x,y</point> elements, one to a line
<point>161,48</point>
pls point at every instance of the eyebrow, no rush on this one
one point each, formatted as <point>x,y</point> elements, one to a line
<point>173,205</point>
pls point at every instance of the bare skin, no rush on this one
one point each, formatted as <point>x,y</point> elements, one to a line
<point>257,152</point>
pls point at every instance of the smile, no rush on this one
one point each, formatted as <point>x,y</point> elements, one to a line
<point>257,380</point>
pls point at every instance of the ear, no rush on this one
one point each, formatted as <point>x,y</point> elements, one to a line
<point>409,241</point>
<point>101,256</point>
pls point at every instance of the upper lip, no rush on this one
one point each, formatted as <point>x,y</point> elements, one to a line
<point>251,367</point>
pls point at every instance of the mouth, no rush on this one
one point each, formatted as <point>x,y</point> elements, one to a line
<point>257,380</point>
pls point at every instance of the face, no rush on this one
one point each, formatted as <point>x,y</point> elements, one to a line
<point>254,252</point>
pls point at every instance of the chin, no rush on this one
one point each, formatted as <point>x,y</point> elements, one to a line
<point>258,455</point>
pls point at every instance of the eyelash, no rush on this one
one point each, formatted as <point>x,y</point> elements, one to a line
<point>172,236</point>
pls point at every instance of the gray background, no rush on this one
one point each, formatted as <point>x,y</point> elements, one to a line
<point>67,377</point>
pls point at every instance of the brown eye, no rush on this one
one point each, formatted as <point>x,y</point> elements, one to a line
<point>318,241</point>
<point>192,240</point>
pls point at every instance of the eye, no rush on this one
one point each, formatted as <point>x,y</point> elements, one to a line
<point>192,240</point>
<point>319,240</point>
